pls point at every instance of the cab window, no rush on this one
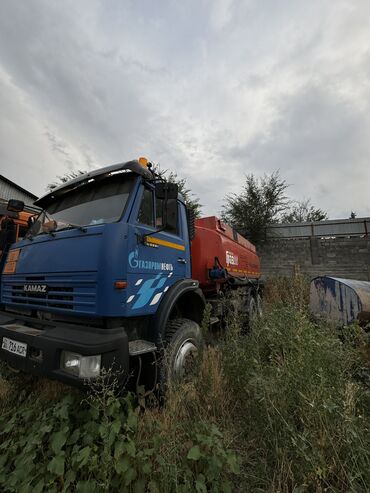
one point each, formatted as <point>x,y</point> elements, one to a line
<point>146,212</point>
<point>172,215</point>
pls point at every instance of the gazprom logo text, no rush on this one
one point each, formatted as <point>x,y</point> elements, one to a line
<point>136,263</point>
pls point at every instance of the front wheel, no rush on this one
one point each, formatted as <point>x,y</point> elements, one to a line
<point>181,346</point>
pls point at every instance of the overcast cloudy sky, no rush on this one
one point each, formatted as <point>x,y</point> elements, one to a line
<point>212,89</point>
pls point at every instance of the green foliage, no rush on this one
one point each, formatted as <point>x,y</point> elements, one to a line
<point>260,203</point>
<point>94,445</point>
<point>304,418</point>
<point>191,201</point>
<point>263,201</point>
<point>303,211</point>
<point>283,407</point>
<point>293,291</point>
<point>64,179</point>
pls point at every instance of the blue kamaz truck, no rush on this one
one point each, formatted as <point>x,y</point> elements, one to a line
<point>103,281</point>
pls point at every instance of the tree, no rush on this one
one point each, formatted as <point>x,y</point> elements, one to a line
<point>303,211</point>
<point>260,203</point>
<point>191,200</point>
<point>64,179</point>
<point>263,201</point>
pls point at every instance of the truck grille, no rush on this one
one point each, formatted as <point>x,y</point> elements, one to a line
<point>65,292</point>
<point>57,297</point>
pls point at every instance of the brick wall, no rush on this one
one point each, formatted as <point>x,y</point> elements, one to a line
<point>341,257</point>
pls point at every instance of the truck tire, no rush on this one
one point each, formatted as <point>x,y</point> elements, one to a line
<point>254,307</point>
<point>259,305</point>
<point>181,344</point>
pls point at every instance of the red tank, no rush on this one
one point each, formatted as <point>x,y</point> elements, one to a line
<point>216,245</point>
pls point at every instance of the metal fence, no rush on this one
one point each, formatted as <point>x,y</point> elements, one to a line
<point>322,229</point>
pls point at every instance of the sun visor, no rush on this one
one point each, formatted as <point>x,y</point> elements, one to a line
<point>97,174</point>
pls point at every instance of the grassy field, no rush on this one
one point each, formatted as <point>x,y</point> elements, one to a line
<point>283,408</point>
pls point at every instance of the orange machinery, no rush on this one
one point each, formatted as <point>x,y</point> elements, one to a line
<point>20,219</point>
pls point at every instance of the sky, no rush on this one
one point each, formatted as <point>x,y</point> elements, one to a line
<point>210,89</point>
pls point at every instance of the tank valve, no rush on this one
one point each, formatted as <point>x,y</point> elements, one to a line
<point>217,273</point>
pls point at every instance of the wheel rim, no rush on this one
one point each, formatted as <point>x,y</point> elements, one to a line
<point>184,358</point>
<point>259,306</point>
<point>252,309</point>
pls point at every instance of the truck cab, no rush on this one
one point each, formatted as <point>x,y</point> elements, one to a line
<point>102,281</point>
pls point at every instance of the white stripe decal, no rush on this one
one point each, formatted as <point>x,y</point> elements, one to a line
<point>130,299</point>
<point>156,299</point>
<point>138,282</point>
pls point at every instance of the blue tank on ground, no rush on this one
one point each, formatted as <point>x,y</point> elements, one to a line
<point>341,300</point>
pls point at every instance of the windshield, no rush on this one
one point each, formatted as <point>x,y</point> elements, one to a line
<point>98,202</point>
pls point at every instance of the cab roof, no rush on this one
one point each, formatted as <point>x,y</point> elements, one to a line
<point>133,166</point>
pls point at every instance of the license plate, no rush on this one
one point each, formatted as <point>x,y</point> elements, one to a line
<point>15,347</point>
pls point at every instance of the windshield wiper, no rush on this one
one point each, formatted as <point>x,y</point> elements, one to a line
<point>72,226</point>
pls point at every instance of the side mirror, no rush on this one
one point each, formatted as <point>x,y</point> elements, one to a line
<point>15,205</point>
<point>165,190</point>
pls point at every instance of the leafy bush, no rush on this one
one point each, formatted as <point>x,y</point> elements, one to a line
<point>94,445</point>
<point>284,407</point>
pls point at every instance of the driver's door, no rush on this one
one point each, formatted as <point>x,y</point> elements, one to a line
<point>156,260</point>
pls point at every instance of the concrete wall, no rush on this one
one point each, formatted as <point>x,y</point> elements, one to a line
<point>341,257</point>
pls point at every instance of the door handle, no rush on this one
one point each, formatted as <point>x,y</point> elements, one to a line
<point>181,260</point>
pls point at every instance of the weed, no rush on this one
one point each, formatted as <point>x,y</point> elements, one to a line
<point>283,291</point>
<point>302,417</point>
<point>282,407</point>
<point>97,443</point>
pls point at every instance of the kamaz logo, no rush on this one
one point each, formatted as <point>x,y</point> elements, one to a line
<point>35,288</point>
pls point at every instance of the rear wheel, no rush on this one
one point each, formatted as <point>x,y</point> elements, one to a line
<point>254,307</point>
<point>181,345</point>
<point>259,305</point>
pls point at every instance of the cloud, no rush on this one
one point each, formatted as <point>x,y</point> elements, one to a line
<point>313,143</point>
<point>210,89</point>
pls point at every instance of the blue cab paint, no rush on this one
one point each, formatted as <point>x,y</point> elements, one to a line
<point>102,289</point>
<point>80,268</point>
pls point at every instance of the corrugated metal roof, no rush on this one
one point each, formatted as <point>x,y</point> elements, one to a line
<point>10,190</point>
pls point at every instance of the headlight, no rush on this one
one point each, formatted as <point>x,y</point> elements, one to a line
<point>81,366</point>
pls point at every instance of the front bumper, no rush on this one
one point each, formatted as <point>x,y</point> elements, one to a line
<point>46,341</point>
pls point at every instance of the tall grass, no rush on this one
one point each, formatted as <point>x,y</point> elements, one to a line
<point>284,407</point>
<point>288,291</point>
<point>304,420</point>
